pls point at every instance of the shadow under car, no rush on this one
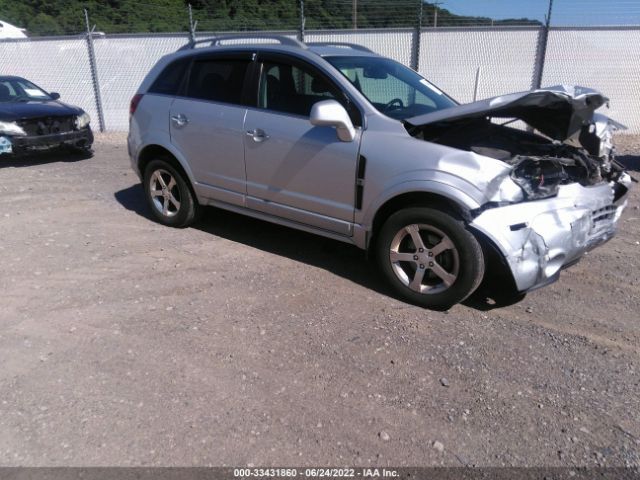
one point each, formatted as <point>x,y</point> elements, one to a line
<point>336,257</point>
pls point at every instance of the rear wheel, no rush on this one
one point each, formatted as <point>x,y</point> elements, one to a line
<point>429,257</point>
<point>168,194</point>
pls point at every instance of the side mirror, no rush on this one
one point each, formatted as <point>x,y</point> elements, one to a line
<point>330,113</point>
<point>54,95</point>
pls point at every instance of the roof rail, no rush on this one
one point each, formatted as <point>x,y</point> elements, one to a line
<point>215,41</point>
<point>340,44</point>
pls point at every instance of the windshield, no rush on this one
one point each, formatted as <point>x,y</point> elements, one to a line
<point>20,90</point>
<point>395,90</point>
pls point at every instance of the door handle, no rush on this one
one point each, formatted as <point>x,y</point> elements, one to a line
<point>258,135</point>
<point>179,120</point>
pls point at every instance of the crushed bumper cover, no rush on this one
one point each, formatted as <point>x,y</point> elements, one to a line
<point>78,138</point>
<point>539,238</point>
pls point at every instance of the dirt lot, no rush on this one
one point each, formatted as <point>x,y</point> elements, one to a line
<point>238,342</point>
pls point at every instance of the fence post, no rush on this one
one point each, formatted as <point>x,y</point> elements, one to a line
<point>415,48</point>
<point>192,28</point>
<point>354,13</point>
<point>541,51</point>
<point>476,84</point>
<point>302,21</point>
<point>94,72</point>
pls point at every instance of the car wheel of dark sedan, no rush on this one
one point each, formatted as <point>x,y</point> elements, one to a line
<point>171,200</point>
<point>429,257</point>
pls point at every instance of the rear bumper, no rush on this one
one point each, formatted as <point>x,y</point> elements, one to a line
<point>79,138</point>
<point>132,148</point>
<point>540,238</point>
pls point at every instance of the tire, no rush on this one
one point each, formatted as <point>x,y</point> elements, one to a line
<point>429,257</point>
<point>168,194</point>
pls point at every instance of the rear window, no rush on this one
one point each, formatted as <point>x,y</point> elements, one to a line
<point>218,80</point>
<point>168,82</point>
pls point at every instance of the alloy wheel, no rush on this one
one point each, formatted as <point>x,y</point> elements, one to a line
<point>424,258</point>
<point>164,192</point>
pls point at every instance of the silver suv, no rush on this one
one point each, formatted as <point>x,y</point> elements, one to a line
<point>336,140</point>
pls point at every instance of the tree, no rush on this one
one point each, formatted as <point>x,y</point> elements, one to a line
<point>55,17</point>
<point>44,24</point>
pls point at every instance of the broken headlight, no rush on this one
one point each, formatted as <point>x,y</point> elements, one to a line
<point>539,177</point>
<point>82,120</point>
<point>606,144</point>
<point>11,128</point>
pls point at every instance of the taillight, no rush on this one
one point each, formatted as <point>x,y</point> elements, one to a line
<point>134,103</point>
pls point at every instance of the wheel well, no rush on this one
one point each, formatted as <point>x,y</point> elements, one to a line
<point>415,199</point>
<point>152,152</point>
<point>497,272</point>
<point>498,282</point>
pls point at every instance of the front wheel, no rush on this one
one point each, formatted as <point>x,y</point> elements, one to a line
<point>169,195</point>
<point>429,257</point>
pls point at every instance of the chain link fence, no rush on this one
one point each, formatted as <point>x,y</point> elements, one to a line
<point>59,65</point>
<point>468,61</point>
<point>476,62</point>
<point>607,59</point>
<point>122,62</point>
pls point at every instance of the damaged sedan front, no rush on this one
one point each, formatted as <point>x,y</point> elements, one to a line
<point>33,120</point>
<point>570,189</point>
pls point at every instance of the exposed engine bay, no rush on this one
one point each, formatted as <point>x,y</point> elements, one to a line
<point>572,144</point>
<point>560,191</point>
<point>539,164</point>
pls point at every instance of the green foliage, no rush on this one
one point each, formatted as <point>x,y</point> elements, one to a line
<point>55,17</point>
<point>44,24</point>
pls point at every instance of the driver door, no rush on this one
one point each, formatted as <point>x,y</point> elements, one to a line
<point>296,170</point>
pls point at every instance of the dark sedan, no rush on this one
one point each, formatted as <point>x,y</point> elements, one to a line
<point>34,120</point>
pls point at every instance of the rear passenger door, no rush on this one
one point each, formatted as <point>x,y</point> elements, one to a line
<point>296,170</point>
<point>206,124</point>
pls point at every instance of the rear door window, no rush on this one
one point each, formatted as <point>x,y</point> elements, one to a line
<point>218,79</point>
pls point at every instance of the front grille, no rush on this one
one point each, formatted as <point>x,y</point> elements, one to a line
<point>602,218</point>
<point>47,125</point>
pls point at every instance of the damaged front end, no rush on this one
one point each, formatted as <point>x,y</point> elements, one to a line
<point>539,238</point>
<point>571,189</point>
<point>46,133</point>
<point>9,130</point>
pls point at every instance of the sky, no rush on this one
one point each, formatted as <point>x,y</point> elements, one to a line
<point>565,12</point>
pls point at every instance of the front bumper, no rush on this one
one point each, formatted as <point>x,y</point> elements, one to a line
<point>82,138</point>
<point>539,238</point>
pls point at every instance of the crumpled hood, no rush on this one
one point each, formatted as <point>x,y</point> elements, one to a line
<point>12,111</point>
<point>559,112</point>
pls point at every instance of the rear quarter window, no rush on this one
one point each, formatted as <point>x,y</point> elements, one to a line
<point>168,82</point>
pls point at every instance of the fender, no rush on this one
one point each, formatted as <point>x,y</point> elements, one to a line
<point>398,163</point>
<point>162,140</point>
<point>456,194</point>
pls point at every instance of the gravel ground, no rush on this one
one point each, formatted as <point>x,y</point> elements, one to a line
<point>238,342</point>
